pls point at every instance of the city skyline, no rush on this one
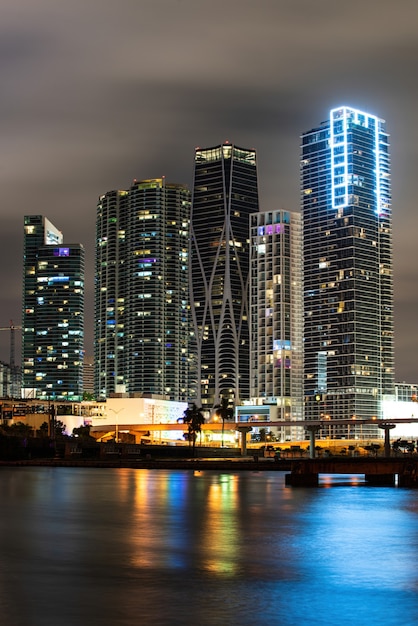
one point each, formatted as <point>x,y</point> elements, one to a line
<point>91,104</point>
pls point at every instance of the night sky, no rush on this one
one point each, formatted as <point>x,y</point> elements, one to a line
<point>95,93</point>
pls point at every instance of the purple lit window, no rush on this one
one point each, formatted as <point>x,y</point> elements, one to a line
<point>61,252</point>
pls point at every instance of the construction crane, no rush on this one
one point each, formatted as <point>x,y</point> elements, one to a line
<point>11,329</point>
<point>13,370</point>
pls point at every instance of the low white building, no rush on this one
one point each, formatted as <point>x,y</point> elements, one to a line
<point>144,417</point>
<point>403,406</point>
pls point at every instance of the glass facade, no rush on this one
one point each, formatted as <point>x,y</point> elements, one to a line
<point>277,313</point>
<point>111,285</point>
<point>142,328</point>
<point>225,194</point>
<point>348,273</point>
<point>53,314</point>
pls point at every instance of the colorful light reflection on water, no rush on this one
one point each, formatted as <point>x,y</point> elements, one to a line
<point>126,547</point>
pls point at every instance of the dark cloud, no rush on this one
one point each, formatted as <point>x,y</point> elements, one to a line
<point>95,94</point>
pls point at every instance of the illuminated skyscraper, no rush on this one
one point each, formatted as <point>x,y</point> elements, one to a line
<point>142,329</point>
<point>276,304</point>
<point>225,194</point>
<point>53,313</point>
<point>348,282</point>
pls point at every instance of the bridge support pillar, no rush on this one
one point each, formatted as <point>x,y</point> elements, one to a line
<point>409,476</point>
<point>301,480</point>
<point>387,428</point>
<point>312,430</point>
<point>380,479</point>
<point>243,430</point>
<point>407,480</point>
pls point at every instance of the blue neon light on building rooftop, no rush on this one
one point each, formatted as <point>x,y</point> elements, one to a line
<point>340,119</point>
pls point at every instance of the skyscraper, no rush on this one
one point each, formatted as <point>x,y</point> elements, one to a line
<point>277,313</point>
<point>53,313</point>
<point>348,282</point>
<point>142,328</point>
<point>110,294</point>
<point>225,194</point>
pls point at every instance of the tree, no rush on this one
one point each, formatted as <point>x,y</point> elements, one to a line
<point>59,429</point>
<point>403,445</point>
<point>20,429</point>
<point>263,434</point>
<point>194,418</point>
<point>43,430</point>
<point>83,432</point>
<point>226,412</point>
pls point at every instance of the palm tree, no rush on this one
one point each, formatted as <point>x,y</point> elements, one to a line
<point>194,417</point>
<point>226,412</point>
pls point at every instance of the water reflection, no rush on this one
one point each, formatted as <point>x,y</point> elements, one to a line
<point>121,547</point>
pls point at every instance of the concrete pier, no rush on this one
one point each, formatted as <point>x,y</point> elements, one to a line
<point>377,471</point>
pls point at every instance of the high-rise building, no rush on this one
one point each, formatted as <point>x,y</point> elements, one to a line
<point>225,194</point>
<point>110,297</point>
<point>88,377</point>
<point>348,282</point>
<point>142,328</point>
<point>53,313</point>
<point>276,303</point>
<point>6,381</point>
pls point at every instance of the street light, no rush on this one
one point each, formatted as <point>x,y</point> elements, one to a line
<point>116,422</point>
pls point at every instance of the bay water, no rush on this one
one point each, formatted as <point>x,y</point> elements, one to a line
<point>130,547</point>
